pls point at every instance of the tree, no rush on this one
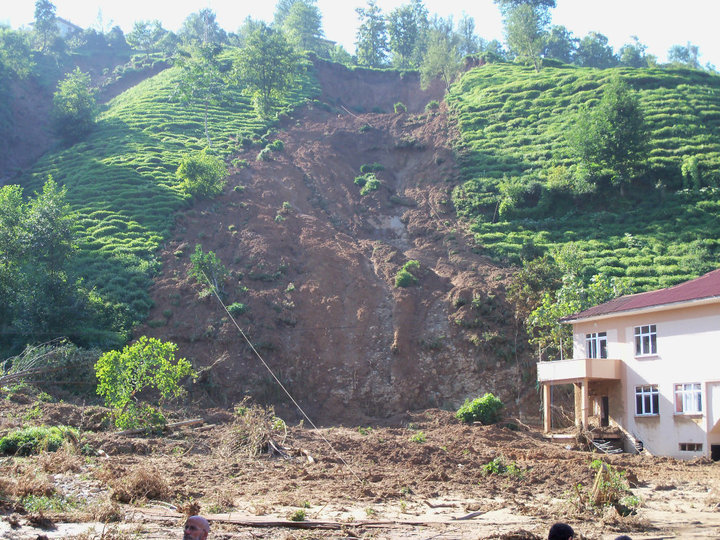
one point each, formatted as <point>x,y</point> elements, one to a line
<point>45,25</point>
<point>148,364</point>
<point>442,60</point>
<point>526,32</point>
<point>371,42</point>
<point>469,42</point>
<point>633,54</point>
<point>303,28</point>
<point>146,35</point>
<point>209,271</point>
<point>202,174</point>
<point>594,51</point>
<point>200,78</point>
<point>612,137</point>
<point>267,66</point>
<point>686,55</point>
<point>560,45</point>
<point>404,36</point>
<point>506,5</point>
<point>201,28</point>
<point>15,53</point>
<point>74,107</point>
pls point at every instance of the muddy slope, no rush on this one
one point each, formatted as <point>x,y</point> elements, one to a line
<point>314,264</point>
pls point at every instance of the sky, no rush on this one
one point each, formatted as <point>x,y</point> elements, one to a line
<point>659,24</point>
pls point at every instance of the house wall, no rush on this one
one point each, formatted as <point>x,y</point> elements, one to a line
<point>687,352</point>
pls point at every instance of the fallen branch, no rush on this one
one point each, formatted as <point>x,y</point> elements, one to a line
<point>168,427</point>
<point>441,505</point>
<point>470,515</point>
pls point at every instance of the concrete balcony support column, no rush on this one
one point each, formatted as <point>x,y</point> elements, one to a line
<point>547,403</point>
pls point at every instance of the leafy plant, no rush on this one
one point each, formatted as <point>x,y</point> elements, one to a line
<point>299,515</point>
<point>148,364</point>
<point>610,488</point>
<point>486,410</point>
<point>209,271</point>
<point>368,182</point>
<point>399,107</point>
<point>499,466</point>
<point>74,107</point>
<point>432,105</point>
<point>418,437</point>
<point>237,308</point>
<point>405,276</point>
<point>33,440</point>
<point>202,174</point>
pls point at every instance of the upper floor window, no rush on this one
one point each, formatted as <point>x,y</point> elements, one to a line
<point>688,398</point>
<point>645,340</point>
<point>647,400</point>
<point>596,345</point>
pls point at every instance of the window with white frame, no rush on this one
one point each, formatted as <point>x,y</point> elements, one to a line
<point>645,340</point>
<point>596,345</point>
<point>690,447</point>
<point>688,398</point>
<point>647,400</point>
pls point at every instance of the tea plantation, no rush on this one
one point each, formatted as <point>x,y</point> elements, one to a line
<point>121,179</point>
<point>661,229</point>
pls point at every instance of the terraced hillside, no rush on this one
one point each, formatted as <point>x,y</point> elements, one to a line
<point>514,124</point>
<point>121,180</point>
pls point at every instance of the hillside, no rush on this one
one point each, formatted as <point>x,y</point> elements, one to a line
<point>514,123</point>
<point>314,263</point>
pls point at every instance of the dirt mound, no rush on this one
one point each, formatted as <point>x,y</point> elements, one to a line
<point>314,264</point>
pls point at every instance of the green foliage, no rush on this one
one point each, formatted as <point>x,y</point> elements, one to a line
<point>612,136</point>
<point>399,107</point>
<point>513,123</point>
<point>500,467</point>
<point>202,175</point>
<point>148,364</point>
<point>526,30</point>
<point>74,108</point>
<point>209,271</point>
<point>432,105</point>
<point>406,276</point>
<point>418,437</point>
<point>267,67</point>
<point>371,167</point>
<point>371,39</point>
<point>122,188</point>
<point>298,515</point>
<point>442,60</point>
<point>237,308</point>
<point>486,410</point>
<point>45,26</point>
<point>368,182</point>
<point>610,488</point>
<point>37,439</point>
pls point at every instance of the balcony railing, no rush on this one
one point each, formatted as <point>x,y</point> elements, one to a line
<point>577,369</point>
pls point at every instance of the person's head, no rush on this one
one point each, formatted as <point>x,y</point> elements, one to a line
<point>561,531</point>
<point>196,528</point>
<point>623,537</point>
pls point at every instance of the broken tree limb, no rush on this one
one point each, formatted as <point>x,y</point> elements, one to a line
<point>170,427</point>
<point>470,515</point>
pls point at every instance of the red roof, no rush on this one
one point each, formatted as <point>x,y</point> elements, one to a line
<point>704,287</point>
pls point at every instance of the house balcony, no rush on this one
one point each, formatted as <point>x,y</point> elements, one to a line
<point>578,369</point>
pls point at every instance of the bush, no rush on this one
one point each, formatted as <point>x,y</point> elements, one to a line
<point>277,146</point>
<point>368,182</point>
<point>486,410</point>
<point>33,440</point>
<point>400,107</point>
<point>74,106</point>
<point>202,174</point>
<point>432,105</point>
<point>264,155</point>
<point>371,167</point>
<point>404,277</point>
<point>237,308</point>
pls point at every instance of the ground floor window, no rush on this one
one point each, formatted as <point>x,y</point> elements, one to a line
<point>690,447</point>
<point>688,398</point>
<point>647,400</point>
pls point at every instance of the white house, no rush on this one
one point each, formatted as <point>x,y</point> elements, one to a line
<point>648,364</point>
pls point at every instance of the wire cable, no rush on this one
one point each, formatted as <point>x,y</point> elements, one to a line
<point>267,367</point>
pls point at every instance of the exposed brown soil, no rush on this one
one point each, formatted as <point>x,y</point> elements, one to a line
<point>371,482</point>
<point>315,264</point>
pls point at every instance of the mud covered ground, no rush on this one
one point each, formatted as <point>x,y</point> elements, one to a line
<point>415,476</point>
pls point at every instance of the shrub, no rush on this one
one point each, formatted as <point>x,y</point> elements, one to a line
<point>237,308</point>
<point>147,364</point>
<point>277,145</point>
<point>368,182</point>
<point>202,174</point>
<point>371,167</point>
<point>33,440</point>
<point>400,107</point>
<point>264,155</point>
<point>432,105</point>
<point>486,410</point>
<point>499,467</point>
<point>418,437</point>
<point>404,277</point>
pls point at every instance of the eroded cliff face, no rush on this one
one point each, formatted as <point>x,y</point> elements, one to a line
<point>314,262</point>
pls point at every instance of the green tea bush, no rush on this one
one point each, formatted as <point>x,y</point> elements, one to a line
<point>405,276</point>
<point>486,410</point>
<point>237,308</point>
<point>399,107</point>
<point>202,175</point>
<point>34,440</point>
